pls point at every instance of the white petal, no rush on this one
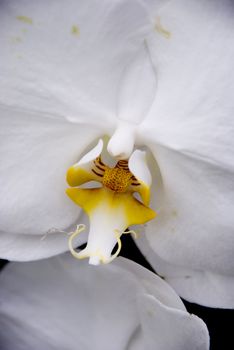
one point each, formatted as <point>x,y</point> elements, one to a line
<point>68,57</point>
<point>36,152</point>
<point>205,288</point>
<point>194,226</point>
<point>75,305</point>
<point>190,130</point>
<point>202,287</point>
<point>138,166</point>
<point>137,88</point>
<point>152,284</point>
<point>193,108</point>
<point>175,330</point>
<point>195,221</point>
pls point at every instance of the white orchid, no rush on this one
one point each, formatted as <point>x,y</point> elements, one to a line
<point>52,304</point>
<point>72,74</point>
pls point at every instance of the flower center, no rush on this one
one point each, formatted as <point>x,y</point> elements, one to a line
<point>111,208</point>
<point>118,178</point>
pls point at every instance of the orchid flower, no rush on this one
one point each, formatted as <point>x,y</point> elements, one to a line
<point>58,307</point>
<point>150,78</point>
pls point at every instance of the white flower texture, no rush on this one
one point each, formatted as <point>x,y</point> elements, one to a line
<point>73,74</point>
<point>58,307</point>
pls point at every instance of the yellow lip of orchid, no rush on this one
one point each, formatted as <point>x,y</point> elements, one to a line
<point>111,208</point>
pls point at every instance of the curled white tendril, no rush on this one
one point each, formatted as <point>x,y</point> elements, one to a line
<point>97,253</point>
<point>81,227</point>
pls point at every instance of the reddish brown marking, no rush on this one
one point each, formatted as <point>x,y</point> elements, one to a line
<point>100,161</point>
<point>121,167</point>
<point>101,175</point>
<point>98,164</point>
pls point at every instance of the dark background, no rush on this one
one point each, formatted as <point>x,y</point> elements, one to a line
<point>220,322</point>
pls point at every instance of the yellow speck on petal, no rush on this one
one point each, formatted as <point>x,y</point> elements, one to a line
<point>25,19</point>
<point>150,313</point>
<point>75,30</point>
<point>161,30</point>
<point>16,39</point>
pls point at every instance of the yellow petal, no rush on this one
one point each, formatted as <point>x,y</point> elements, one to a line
<point>143,190</point>
<point>86,198</point>
<point>77,176</point>
<point>136,212</point>
<point>133,211</point>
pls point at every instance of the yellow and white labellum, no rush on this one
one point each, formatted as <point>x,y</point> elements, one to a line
<point>111,208</point>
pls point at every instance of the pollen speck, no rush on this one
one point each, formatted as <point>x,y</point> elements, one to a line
<point>16,39</point>
<point>75,30</point>
<point>25,19</point>
<point>117,179</point>
<point>150,313</point>
<point>161,30</point>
